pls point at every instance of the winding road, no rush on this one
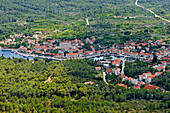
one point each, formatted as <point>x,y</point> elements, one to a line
<point>151,12</point>
<point>104,77</point>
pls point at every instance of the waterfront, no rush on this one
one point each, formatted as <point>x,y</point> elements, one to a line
<point>10,54</point>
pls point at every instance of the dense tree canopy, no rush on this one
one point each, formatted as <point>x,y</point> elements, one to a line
<point>134,70</point>
<point>163,80</point>
<point>23,88</point>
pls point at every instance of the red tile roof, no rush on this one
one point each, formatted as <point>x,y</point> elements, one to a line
<point>150,87</point>
<point>91,47</point>
<point>129,78</point>
<point>123,76</point>
<point>71,54</point>
<point>38,51</point>
<point>48,53</point>
<point>152,76</point>
<point>36,47</point>
<point>97,68</point>
<point>99,62</point>
<point>149,40</point>
<point>122,85</point>
<point>109,70</point>
<point>116,69</point>
<point>115,63</point>
<point>24,48</point>
<point>141,82</point>
<point>57,54</point>
<point>142,75</point>
<point>133,43</point>
<point>117,60</point>
<point>137,87</point>
<point>89,82</point>
<point>163,62</point>
<point>149,73</point>
<point>93,39</point>
<point>160,67</point>
<point>144,44</point>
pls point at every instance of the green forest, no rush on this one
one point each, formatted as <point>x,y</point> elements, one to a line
<point>113,21</point>
<point>23,89</point>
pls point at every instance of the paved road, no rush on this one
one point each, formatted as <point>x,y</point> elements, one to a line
<point>104,77</point>
<point>151,12</point>
<point>123,67</point>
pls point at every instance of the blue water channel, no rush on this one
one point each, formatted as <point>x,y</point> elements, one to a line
<point>10,54</point>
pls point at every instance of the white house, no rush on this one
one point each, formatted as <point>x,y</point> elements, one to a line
<point>141,77</point>
<point>106,65</point>
<point>134,81</point>
<point>149,78</point>
<point>144,76</point>
<point>35,36</point>
<point>116,71</point>
<point>147,74</point>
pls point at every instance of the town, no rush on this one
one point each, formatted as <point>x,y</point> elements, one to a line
<point>58,49</point>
